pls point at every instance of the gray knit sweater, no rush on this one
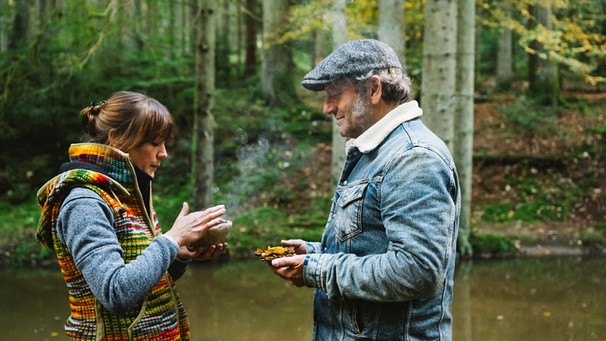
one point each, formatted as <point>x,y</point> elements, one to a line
<point>85,226</point>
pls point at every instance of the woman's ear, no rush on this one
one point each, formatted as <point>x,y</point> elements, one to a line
<point>376,89</point>
<point>112,137</point>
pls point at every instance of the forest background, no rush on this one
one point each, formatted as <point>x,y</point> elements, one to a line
<point>515,87</point>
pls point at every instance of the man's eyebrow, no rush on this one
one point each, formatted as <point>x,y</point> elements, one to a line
<point>336,86</point>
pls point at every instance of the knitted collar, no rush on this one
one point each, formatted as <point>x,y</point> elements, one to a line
<point>112,162</point>
<point>98,167</point>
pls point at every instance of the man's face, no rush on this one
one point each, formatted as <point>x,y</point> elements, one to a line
<point>352,111</point>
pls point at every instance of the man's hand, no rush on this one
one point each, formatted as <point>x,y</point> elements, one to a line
<point>299,245</point>
<point>290,268</point>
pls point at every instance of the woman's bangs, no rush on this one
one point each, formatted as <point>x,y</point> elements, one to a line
<point>160,126</point>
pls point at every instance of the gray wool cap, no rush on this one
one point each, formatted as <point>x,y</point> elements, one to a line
<point>352,58</point>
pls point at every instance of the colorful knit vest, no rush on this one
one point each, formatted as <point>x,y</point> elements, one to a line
<point>161,315</point>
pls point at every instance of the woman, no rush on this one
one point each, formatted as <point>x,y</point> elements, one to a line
<point>98,216</point>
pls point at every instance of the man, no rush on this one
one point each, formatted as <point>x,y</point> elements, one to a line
<point>384,267</point>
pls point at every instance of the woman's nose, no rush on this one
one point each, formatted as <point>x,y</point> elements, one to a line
<point>163,153</point>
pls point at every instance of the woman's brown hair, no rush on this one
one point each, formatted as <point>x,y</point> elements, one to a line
<point>135,118</point>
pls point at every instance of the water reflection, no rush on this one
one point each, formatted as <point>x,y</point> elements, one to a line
<point>521,299</point>
<point>531,299</point>
<point>244,300</point>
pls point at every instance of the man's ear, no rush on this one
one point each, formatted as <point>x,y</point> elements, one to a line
<point>376,89</point>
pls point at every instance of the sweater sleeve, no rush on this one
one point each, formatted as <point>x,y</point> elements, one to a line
<point>85,226</point>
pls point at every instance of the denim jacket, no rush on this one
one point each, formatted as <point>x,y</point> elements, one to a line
<point>384,267</point>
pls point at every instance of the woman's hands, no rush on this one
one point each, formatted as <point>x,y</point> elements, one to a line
<point>210,253</point>
<point>189,227</point>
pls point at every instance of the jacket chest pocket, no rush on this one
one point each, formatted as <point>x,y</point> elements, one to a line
<point>348,210</point>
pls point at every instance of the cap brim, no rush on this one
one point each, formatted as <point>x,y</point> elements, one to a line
<point>314,85</point>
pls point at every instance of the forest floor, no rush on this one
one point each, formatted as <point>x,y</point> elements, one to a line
<point>505,155</point>
<point>561,158</point>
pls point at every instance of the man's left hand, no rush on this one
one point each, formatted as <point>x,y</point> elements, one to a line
<point>290,268</point>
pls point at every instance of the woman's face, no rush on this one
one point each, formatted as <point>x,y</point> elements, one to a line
<point>148,156</point>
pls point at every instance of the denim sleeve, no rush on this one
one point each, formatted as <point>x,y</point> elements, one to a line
<point>312,247</point>
<point>85,226</point>
<point>418,203</point>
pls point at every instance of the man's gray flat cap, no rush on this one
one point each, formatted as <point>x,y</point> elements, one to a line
<point>352,58</point>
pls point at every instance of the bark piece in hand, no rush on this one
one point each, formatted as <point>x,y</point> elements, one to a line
<point>215,235</point>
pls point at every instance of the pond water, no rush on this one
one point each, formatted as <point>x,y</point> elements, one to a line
<point>517,299</point>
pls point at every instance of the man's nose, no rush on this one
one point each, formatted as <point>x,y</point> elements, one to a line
<point>329,107</point>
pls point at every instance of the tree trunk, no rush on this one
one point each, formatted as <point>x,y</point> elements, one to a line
<point>439,62</point>
<point>4,31</point>
<point>129,34</point>
<point>543,79</point>
<point>204,122</point>
<point>504,52</point>
<point>20,32</point>
<point>250,58</point>
<point>391,27</point>
<point>339,36</point>
<point>222,64</point>
<point>478,43</point>
<point>464,114</point>
<point>178,27</point>
<point>276,76</point>
<point>504,60</point>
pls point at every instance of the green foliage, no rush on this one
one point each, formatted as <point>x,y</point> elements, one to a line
<point>598,147</point>
<point>575,41</point>
<point>595,236</point>
<point>18,245</point>
<point>497,213</point>
<point>538,196</point>
<point>487,243</point>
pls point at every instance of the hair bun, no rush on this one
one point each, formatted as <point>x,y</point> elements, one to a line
<point>95,108</point>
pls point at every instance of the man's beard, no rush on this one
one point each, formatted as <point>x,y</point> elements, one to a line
<point>359,107</point>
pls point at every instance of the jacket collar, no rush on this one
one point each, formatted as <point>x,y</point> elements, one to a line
<point>374,135</point>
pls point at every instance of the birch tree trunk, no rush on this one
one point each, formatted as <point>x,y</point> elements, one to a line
<point>204,122</point>
<point>439,62</point>
<point>464,114</point>
<point>276,80</point>
<point>339,36</point>
<point>391,27</point>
